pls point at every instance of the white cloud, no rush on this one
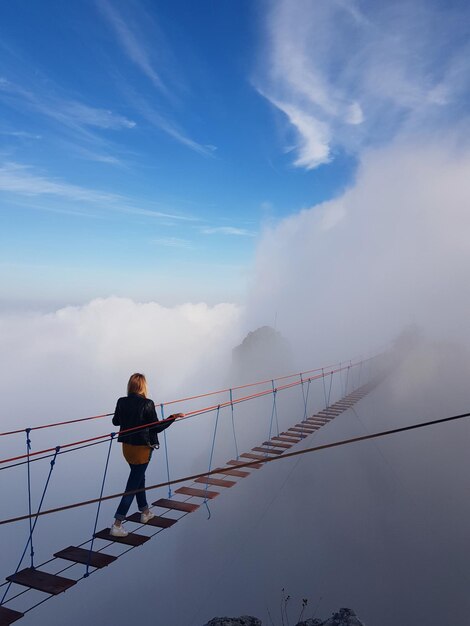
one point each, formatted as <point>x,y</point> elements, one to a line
<point>131,41</point>
<point>101,343</point>
<point>90,116</point>
<point>24,180</point>
<point>157,120</point>
<point>313,137</point>
<point>348,275</point>
<point>21,179</point>
<point>347,74</point>
<point>20,134</point>
<point>71,113</point>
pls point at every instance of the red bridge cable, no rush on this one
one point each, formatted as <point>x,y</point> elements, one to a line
<point>286,455</point>
<point>202,395</point>
<point>187,416</point>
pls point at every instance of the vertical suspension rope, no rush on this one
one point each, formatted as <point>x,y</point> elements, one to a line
<point>210,458</point>
<point>275,407</point>
<point>233,425</point>
<point>306,399</point>
<point>28,465</point>
<point>347,379</point>
<point>327,397</point>
<point>111,439</point>
<point>33,526</point>
<point>273,413</point>
<point>170,493</point>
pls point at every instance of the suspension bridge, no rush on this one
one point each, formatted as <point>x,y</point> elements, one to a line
<point>71,564</point>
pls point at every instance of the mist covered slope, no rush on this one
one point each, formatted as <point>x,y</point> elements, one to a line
<point>381,526</point>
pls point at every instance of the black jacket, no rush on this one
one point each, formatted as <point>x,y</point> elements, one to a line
<point>134,410</point>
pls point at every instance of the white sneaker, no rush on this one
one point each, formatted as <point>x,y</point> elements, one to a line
<point>118,531</point>
<point>145,517</point>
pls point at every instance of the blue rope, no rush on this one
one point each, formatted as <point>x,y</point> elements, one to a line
<point>273,412</point>
<point>275,407</point>
<point>33,525</point>
<point>28,451</point>
<point>329,391</point>
<point>341,377</point>
<point>305,406</point>
<point>306,398</point>
<point>347,379</point>
<point>210,458</point>
<point>327,397</point>
<point>170,494</point>
<point>233,426</point>
<point>324,387</point>
<point>111,439</point>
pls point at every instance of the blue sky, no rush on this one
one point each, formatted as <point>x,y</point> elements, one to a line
<point>145,145</point>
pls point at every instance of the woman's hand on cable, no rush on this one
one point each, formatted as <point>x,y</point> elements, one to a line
<point>176,416</point>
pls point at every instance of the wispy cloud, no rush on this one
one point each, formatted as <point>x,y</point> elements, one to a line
<point>142,51</point>
<point>174,242</point>
<point>24,181</point>
<point>228,230</point>
<point>20,134</point>
<point>91,116</point>
<point>346,74</point>
<point>131,42</point>
<point>157,120</point>
<point>71,113</point>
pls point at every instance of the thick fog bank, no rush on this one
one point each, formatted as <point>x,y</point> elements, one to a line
<point>346,276</point>
<point>77,360</point>
<point>381,525</point>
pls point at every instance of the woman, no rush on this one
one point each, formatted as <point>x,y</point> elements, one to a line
<point>133,411</point>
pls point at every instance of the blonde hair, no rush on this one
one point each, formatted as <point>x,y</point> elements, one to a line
<point>137,384</point>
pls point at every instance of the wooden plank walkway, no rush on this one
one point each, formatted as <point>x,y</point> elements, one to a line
<point>277,445</point>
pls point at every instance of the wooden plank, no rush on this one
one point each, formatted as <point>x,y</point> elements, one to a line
<point>234,472</point>
<point>267,450</point>
<point>41,581</point>
<point>254,466</point>
<point>132,539</point>
<point>157,521</point>
<point>294,434</point>
<point>302,430</point>
<point>82,555</point>
<point>177,505</point>
<point>255,457</point>
<point>8,616</point>
<point>292,440</point>
<point>217,482</point>
<point>277,444</point>
<point>198,493</point>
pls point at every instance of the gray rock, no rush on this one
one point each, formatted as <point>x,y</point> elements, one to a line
<point>310,622</point>
<point>344,617</point>
<point>245,620</point>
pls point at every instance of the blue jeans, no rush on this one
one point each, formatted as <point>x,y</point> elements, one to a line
<point>135,481</point>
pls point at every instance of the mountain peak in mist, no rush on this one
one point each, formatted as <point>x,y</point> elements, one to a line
<point>262,350</point>
<point>343,617</point>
